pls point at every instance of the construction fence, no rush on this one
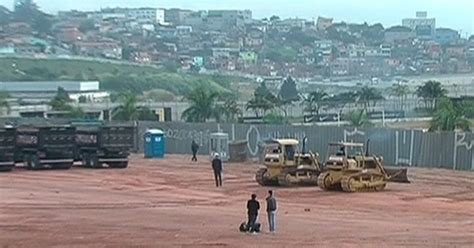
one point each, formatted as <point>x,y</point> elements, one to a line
<point>403,147</point>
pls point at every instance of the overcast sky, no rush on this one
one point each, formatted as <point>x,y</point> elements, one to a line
<point>456,14</point>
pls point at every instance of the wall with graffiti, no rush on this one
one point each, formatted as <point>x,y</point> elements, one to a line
<point>449,150</point>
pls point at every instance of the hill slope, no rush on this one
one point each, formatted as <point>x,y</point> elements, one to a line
<point>113,77</point>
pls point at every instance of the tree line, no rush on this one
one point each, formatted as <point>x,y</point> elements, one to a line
<point>447,114</point>
<point>209,105</point>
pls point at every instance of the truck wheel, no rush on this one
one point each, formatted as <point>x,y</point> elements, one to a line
<point>35,163</point>
<point>27,161</point>
<point>119,165</point>
<point>6,169</point>
<point>86,160</point>
<point>94,161</point>
<point>63,166</point>
<point>32,162</point>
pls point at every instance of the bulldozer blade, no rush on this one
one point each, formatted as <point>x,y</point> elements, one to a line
<point>397,175</point>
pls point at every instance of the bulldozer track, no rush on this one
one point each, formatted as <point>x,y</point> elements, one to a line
<point>260,178</point>
<point>348,185</point>
<point>283,179</point>
<point>322,181</point>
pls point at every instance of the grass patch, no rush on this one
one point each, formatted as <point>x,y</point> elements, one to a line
<point>113,77</point>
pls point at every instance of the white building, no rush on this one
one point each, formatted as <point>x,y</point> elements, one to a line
<point>147,15</point>
<point>420,21</point>
<point>44,91</point>
<point>140,15</point>
<point>223,20</point>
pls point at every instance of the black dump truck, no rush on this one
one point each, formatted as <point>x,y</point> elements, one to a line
<point>40,147</point>
<point>98,144</point>
<point>7,148</point>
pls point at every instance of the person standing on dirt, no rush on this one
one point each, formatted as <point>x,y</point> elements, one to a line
<point>271,211</point>
<point>252,211</point>
<point>194,149</point>
<point>217,167</point>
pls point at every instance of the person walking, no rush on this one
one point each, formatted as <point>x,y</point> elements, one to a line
<point>252,211</point>
<point>271,211</point>
<point>194,149</point>
<point>217,167</point>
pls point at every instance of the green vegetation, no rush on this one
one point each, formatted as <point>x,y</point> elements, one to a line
<point>262,101</point>
<point>279,53</point>
<point>113,77</point>
<point>274,118</point>
<point>16,69</point>
<point>288,91</point>
<point>359,118</point>
<point>129,109</point>
<point>431,91</point>
<point>87,25</point>
<point>368,95</point>
<point>230,110</point>
<point>207,105</point>
<point>28,11</point>
<point>449,117</point>
<point>203,106</point>
<point>178,84</point>
<point>62,102</point>
<point>315,101</point>
<point>401,91</point>
<point>159,95</point>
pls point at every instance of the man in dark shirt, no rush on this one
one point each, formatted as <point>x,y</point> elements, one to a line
<point>217,167</point>
<point>194,149</point>
<point>252,210</point>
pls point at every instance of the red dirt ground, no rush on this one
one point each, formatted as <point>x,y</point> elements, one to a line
<point>173,203</point>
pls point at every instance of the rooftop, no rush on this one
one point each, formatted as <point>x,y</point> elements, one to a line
<point>49,86</point>
<point>347,144</point>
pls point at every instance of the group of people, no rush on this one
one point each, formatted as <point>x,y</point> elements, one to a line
<point>253,206</point>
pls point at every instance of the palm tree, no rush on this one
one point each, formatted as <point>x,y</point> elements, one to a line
<point>339,101</point>
<point>128,109</point>
<point>401,91</point>
<point>430,92</point>
<point>231,110</point>
<point>368,94</point>
<point>263,101</point>
<point>259,105</point>
<point>359,118</point>
<point>203,106</point>
<point>314,101</point>
<point>448,117</point>
<point>4,103</point>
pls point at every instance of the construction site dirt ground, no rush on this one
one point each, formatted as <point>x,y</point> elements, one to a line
<point>174,203</point>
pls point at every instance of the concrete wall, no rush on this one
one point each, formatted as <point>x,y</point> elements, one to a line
<point>449,150</point>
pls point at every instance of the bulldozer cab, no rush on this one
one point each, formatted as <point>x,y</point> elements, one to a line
<point>281,152</point>
<point>347,155</point>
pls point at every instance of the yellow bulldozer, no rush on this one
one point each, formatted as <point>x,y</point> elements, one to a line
<point>347,168</point>
<point>286,166</point>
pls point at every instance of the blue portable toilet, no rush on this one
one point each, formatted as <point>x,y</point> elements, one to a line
<point>154,143</point>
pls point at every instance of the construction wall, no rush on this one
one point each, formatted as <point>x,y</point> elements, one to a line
<point>448,150</point>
